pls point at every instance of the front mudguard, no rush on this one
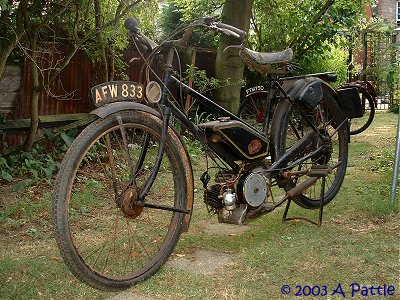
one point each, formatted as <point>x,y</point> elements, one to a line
<point>109,109</point>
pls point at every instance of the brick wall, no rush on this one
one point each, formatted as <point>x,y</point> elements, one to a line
<point>387,10</point>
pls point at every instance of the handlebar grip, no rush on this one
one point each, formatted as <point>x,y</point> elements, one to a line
<point>241,34</point>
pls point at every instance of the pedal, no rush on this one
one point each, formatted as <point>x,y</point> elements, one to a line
<point>319,171</point>
<point>205,178</point>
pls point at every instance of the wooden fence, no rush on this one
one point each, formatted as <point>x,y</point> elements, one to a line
<point>68,97</point>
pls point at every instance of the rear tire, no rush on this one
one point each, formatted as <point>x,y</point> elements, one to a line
<point>326,117</point>
<point>106,244</point>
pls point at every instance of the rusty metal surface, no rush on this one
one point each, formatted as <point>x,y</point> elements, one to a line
<point>70,90</point>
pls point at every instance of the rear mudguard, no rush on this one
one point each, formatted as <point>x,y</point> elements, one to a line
<point>115,107</point>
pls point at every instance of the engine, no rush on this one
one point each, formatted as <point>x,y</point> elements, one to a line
<point>248,190</point>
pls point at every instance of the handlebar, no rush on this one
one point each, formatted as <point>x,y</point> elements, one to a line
<point>224,28</point>
<point>132,25</point>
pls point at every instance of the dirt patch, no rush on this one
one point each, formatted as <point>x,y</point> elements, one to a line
<point>199,261</point>
<point>225,229</point>
<point>130,296</point>
<point>205,262</point>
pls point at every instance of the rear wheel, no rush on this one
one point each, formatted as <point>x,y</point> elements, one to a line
<point>107,238</point>
<point>329,148</point>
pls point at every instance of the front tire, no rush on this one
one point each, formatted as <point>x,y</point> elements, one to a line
<point>107,242</point>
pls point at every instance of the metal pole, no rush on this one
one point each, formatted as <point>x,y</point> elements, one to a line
<point>396,166</point>
<point>393,191</point>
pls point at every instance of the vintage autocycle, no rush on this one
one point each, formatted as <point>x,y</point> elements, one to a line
<point>125,191</point>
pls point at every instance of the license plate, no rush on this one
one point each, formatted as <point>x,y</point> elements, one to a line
<point>113,91</point>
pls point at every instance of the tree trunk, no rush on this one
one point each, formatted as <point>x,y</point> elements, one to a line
<point>228,66</point>
<point>5,53</point>
<point>36,89</point>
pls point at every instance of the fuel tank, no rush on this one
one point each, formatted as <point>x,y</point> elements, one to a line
<point>235,141</point>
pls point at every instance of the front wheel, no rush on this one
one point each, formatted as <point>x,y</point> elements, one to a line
<point>107,240</point>
<point>289,126</point>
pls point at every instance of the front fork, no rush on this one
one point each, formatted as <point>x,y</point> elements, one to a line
<point>157,164</point>
<point>166,113</point>
<point>129,200</point>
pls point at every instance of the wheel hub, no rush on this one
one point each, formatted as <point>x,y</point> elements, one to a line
<point>324,156</point>
<point>130,207</point>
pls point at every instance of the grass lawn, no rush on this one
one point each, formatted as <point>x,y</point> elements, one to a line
<point>358,242</point>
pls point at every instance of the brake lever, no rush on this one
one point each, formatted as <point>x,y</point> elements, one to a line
<point>240,47</point>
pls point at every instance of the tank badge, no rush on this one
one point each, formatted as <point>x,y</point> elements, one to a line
<point>254,146</point>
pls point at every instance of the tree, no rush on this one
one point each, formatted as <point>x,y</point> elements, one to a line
<point>228,66</point>
<point>308,26</point>
<point>11,27</point>
<point>177,12</point>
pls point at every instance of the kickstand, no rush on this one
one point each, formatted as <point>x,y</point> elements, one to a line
<point>321,171</point>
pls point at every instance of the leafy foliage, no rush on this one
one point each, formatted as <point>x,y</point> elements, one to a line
<point>193,9</point>
<point>279,24</point>
<point>176,13</point>
<point>333,59</point>
<point>38,165</point>
<point>4,6</point>
<point>199,77</point>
